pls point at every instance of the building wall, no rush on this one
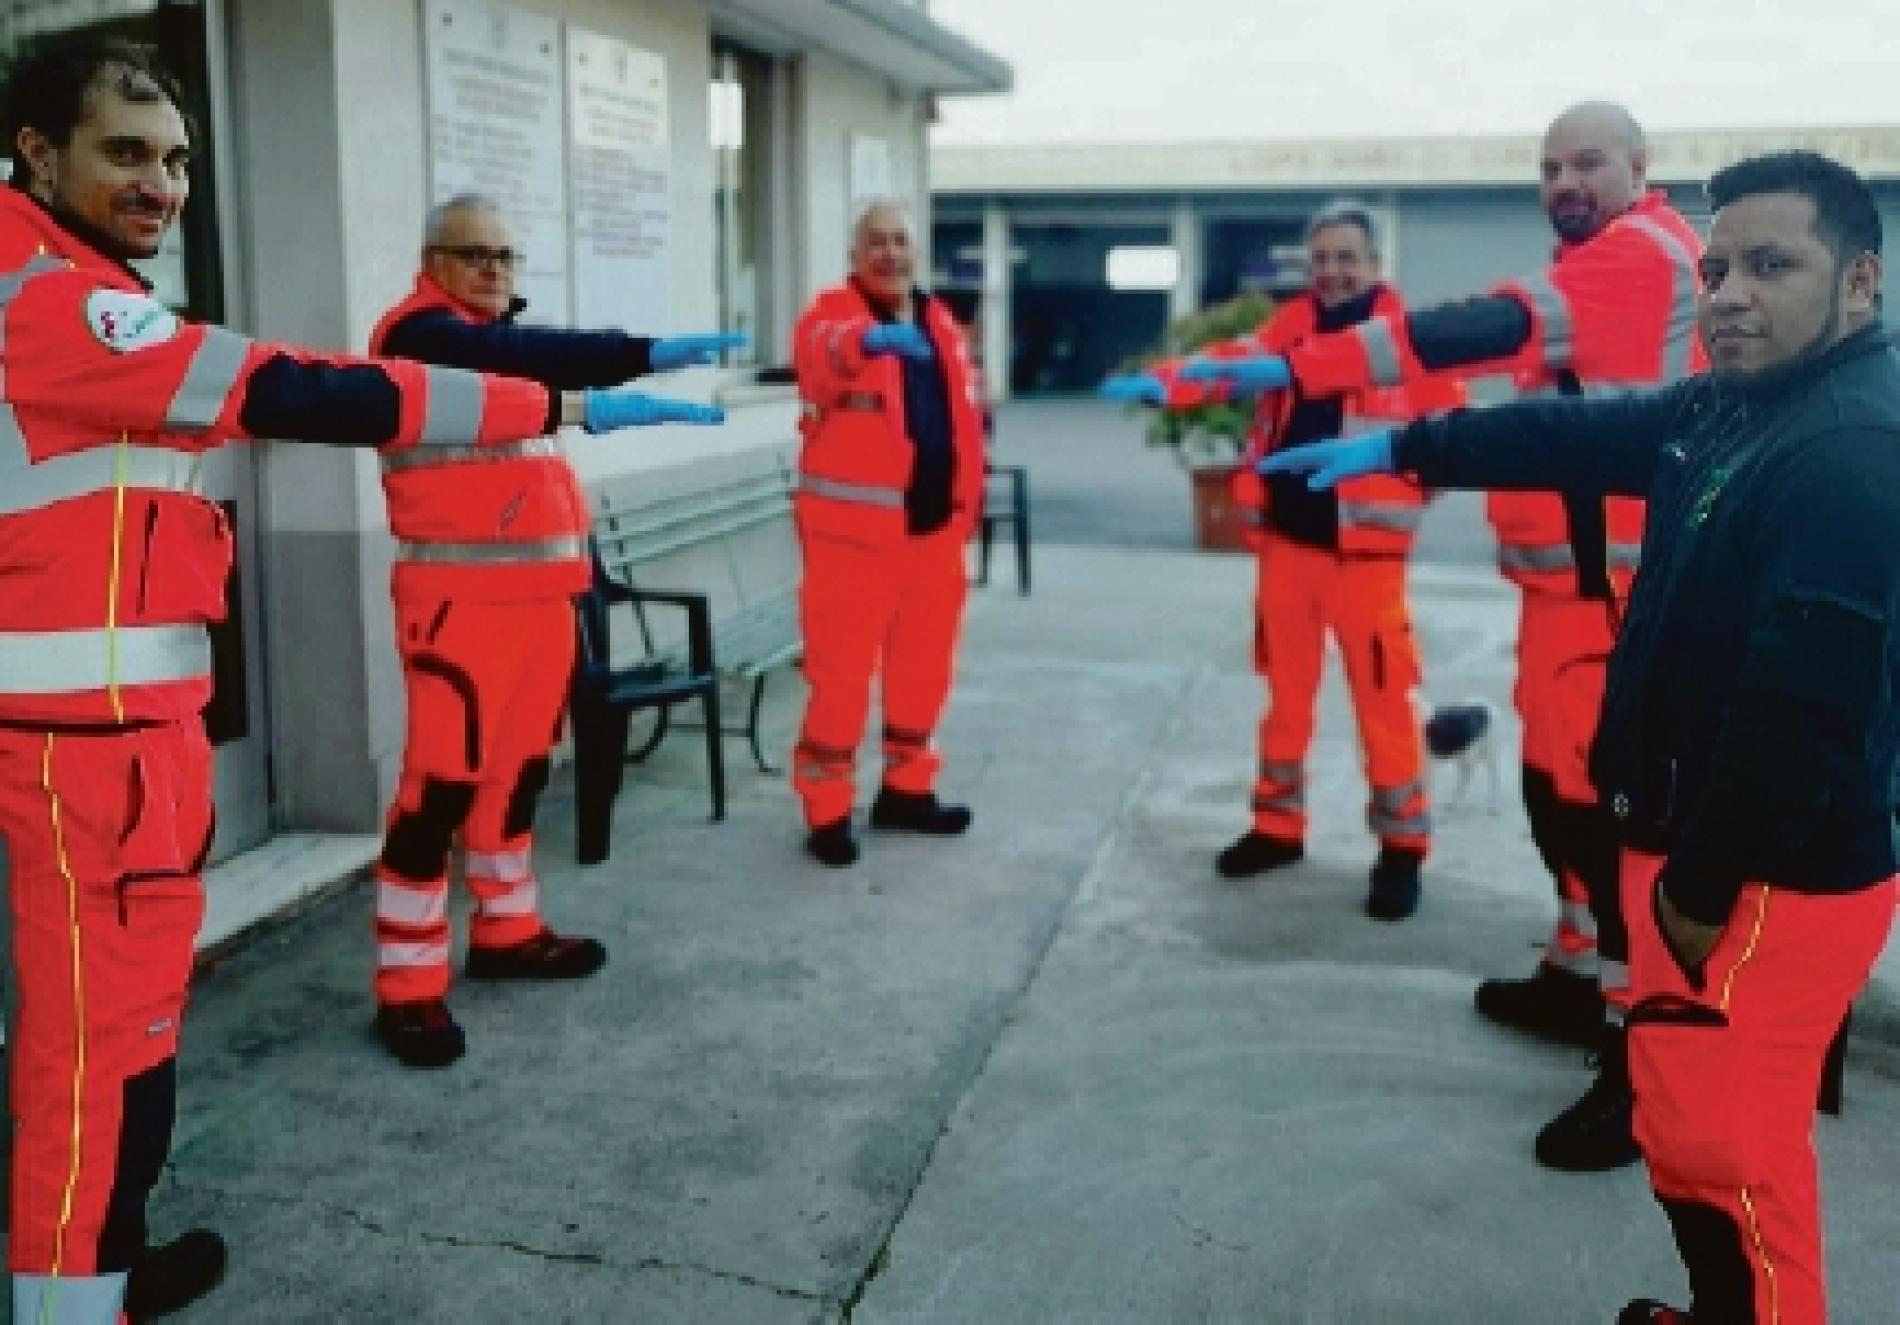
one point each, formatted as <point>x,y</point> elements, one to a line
<point>838,99</point>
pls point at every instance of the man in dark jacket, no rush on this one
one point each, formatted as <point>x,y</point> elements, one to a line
<point>1750,724</point>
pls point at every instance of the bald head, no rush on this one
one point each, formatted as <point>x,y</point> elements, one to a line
<point>1595,166</point>
<point>883,252</point>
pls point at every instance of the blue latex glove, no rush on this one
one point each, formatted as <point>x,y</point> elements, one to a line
<point>688,351</point>
<point>1331,462</point>
<point>621,408</point>
<point>1256,373</point>
<point>903,338</point>
<point>1134,389</point>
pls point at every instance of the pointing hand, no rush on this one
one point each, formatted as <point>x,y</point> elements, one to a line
<point>1331,462</point>
<point>690,350</point>
<point>608,410</point>
<point>1134,389</point>
<point>1256,373</point>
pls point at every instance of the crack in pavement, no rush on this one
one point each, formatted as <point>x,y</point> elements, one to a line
<point>1190,681</point>
<point>369,1225</point>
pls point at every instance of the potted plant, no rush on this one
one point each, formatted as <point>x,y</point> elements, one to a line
<point>1208,438</point>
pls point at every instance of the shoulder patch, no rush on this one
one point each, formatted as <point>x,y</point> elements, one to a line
<point>123,322</point>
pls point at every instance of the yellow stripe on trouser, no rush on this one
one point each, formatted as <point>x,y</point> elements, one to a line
<point>79,1022</point>
<point>1748,1202</point>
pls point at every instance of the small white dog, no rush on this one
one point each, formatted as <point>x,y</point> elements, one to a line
<point>1462,733</point>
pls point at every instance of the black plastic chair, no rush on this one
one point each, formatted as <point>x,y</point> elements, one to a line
<point>603,700</point>
<point>1006,502</point>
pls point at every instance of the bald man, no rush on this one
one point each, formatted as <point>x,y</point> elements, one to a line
<point>1614,310</point>
<point>890,480</point>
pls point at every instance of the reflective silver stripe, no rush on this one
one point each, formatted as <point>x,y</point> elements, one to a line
<point>508,865</point>
<point>40,1299</point>
<point>1382,352</point>
<point>99,470</point>
<point>55,662</point>
<point>1679,341</point>
<point>1584,961</point>
<point>209,382</point>
<point>1625,556</point>
<point>1514,557</point>
<point>535,448</point>
<point>412,954</point>
<point>1386,812</point>
<point>1576,917</point>
<point>454,412</point>
<point>410,906</point>
<point>564,548</point>
<point>863,494</point>
<point>520,900</point>
<point>1615,975</point>
<point>1392,516</point>
<point>1287,802</point>
<point>1553,314</point>
<point>1281,775</point>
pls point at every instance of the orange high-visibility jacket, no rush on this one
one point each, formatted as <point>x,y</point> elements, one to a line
<point>483,524</point>
<point>1613,312</point>
<point>1379,514</point>
<point>855,464</point>
<point>110,562</point>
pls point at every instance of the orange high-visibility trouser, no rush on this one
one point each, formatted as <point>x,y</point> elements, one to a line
<point>865,609</point>
<point>486,684</point>
<point>1563,652</point>
<point>106,832</point>
<point>1305,592</point>
<point>1725,1077</point>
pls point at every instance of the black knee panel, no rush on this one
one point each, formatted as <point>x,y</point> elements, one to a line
<point>148,1105</point>
<point>1546,816</point>
<point>526,795</point>
<point>418,843</point>
<point>1721,1281</point>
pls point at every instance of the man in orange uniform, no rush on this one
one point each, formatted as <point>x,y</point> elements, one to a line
<point>490,553</point>
<point>1330,562</point>
<point>110,567</point>
<point>890,479</point>
<point>1615,310</point>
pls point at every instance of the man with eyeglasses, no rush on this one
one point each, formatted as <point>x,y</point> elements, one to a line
<point>489,556</point>
<point>111,564</point>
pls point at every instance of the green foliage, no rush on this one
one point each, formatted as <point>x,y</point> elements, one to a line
<point>1212,434</point>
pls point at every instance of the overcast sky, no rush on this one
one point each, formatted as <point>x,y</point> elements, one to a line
<point>1172,70</point>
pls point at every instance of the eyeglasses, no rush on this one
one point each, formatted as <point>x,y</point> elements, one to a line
<point>476,255</point>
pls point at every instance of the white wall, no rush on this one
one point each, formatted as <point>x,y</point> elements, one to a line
<point>840,99</point>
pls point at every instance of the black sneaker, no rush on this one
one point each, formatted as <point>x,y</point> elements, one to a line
<point>1597,1133</point>
<point>1553,1003</point>
<point>832,844</point>
<point>420,1034</point>
<point>1395,884</point>
<point>1255,853</point>
<point>918,812</point>
<point>546,956</point>
<point>1648,1311</point>
<point>174,1275</point>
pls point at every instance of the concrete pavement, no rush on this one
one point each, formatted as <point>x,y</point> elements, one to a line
<point>1056,1071</point>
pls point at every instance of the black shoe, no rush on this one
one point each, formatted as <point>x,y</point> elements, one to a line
<point>546,956</point>
<point>1648,1311</point>
<point>1395,884</point>
<point>918,812</point>
<point>1256,853</point>
<point>174,1274</point>
<point>1596,1133</point>
<point>832,844</point>
<point>1553,1003</point>
<point>421,1034</point>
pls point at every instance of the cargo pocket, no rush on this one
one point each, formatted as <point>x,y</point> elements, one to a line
<point>1693,1107</point>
